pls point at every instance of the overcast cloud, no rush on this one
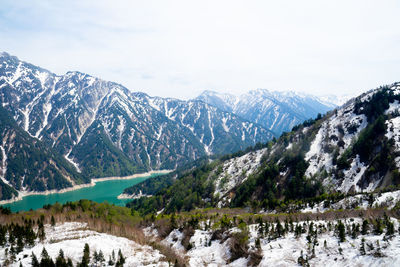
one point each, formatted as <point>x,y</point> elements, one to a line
<point>180,48</point>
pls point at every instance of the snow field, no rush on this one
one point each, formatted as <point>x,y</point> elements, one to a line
<point>71,238</point>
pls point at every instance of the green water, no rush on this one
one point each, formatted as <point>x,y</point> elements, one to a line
<point>102,191</point>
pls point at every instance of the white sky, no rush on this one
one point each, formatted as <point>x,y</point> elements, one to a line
<point>180,48</point>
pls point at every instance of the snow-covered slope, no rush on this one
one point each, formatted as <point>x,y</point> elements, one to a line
<point>71,238</point>
<point>352,149</point>
<point>276,111</point>
<point>313,242</point>
<point>218,131</point>
<point>235,171</point>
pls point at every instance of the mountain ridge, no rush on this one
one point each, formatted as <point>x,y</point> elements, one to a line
<point>274,110</point>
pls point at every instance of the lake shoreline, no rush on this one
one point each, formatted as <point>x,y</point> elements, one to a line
<point>92,183</point>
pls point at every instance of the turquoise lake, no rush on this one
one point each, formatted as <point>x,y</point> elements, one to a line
<point>102,191</point>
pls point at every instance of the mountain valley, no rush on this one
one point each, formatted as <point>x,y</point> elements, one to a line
<point>326,191</point>
<point>102,129</point>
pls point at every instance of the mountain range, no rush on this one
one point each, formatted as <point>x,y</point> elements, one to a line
<point>276,111</point>
<point>102,129</point>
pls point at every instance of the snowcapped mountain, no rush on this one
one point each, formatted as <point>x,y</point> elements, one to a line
<point>335,100</point>
<point>105,130</point>
<point>276,111</point>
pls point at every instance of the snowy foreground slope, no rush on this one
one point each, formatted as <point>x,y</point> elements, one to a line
<point>317,244</point>
<point>286,251</point>
<point>239,240</point>
<point>71,238</point>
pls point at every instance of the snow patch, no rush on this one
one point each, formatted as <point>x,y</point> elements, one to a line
<point>76,165</point>
<point>353,175</point>
<point>236,170</point>
<point>174,240</point>
<point>3,168</point>
<point>205,254</point>
<point>226,128</point>
<point>393,132</point>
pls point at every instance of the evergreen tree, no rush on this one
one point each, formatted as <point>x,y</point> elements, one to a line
<point>34,262</point>
<point>95,257</point>
<point>113,257</point>
<point>110,261</point>
<point>261,228</point>
<point>365,227</point>
<point>279,228</point>
<point>46,260</point>
<point>45,254</point>
<point>60,260</point>
<point>53,221</point>
<point>378,227</point>
<point>355,229</point>
<point>20,244</point>
<point>86,256</point>
<point>41,233</point>
<point>297,230</point>
<point>362,246</point>
<point>11,237</point>
<point>266,228</point>
<point>342,232</point>
<point>30,236</point>
<point>121,259</point>
<point>389,228</point>
<point>101,257</point>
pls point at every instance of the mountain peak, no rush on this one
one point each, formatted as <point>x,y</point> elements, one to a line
<point>208,92</point>
<point>215,93</point>
<point>4,54</point>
